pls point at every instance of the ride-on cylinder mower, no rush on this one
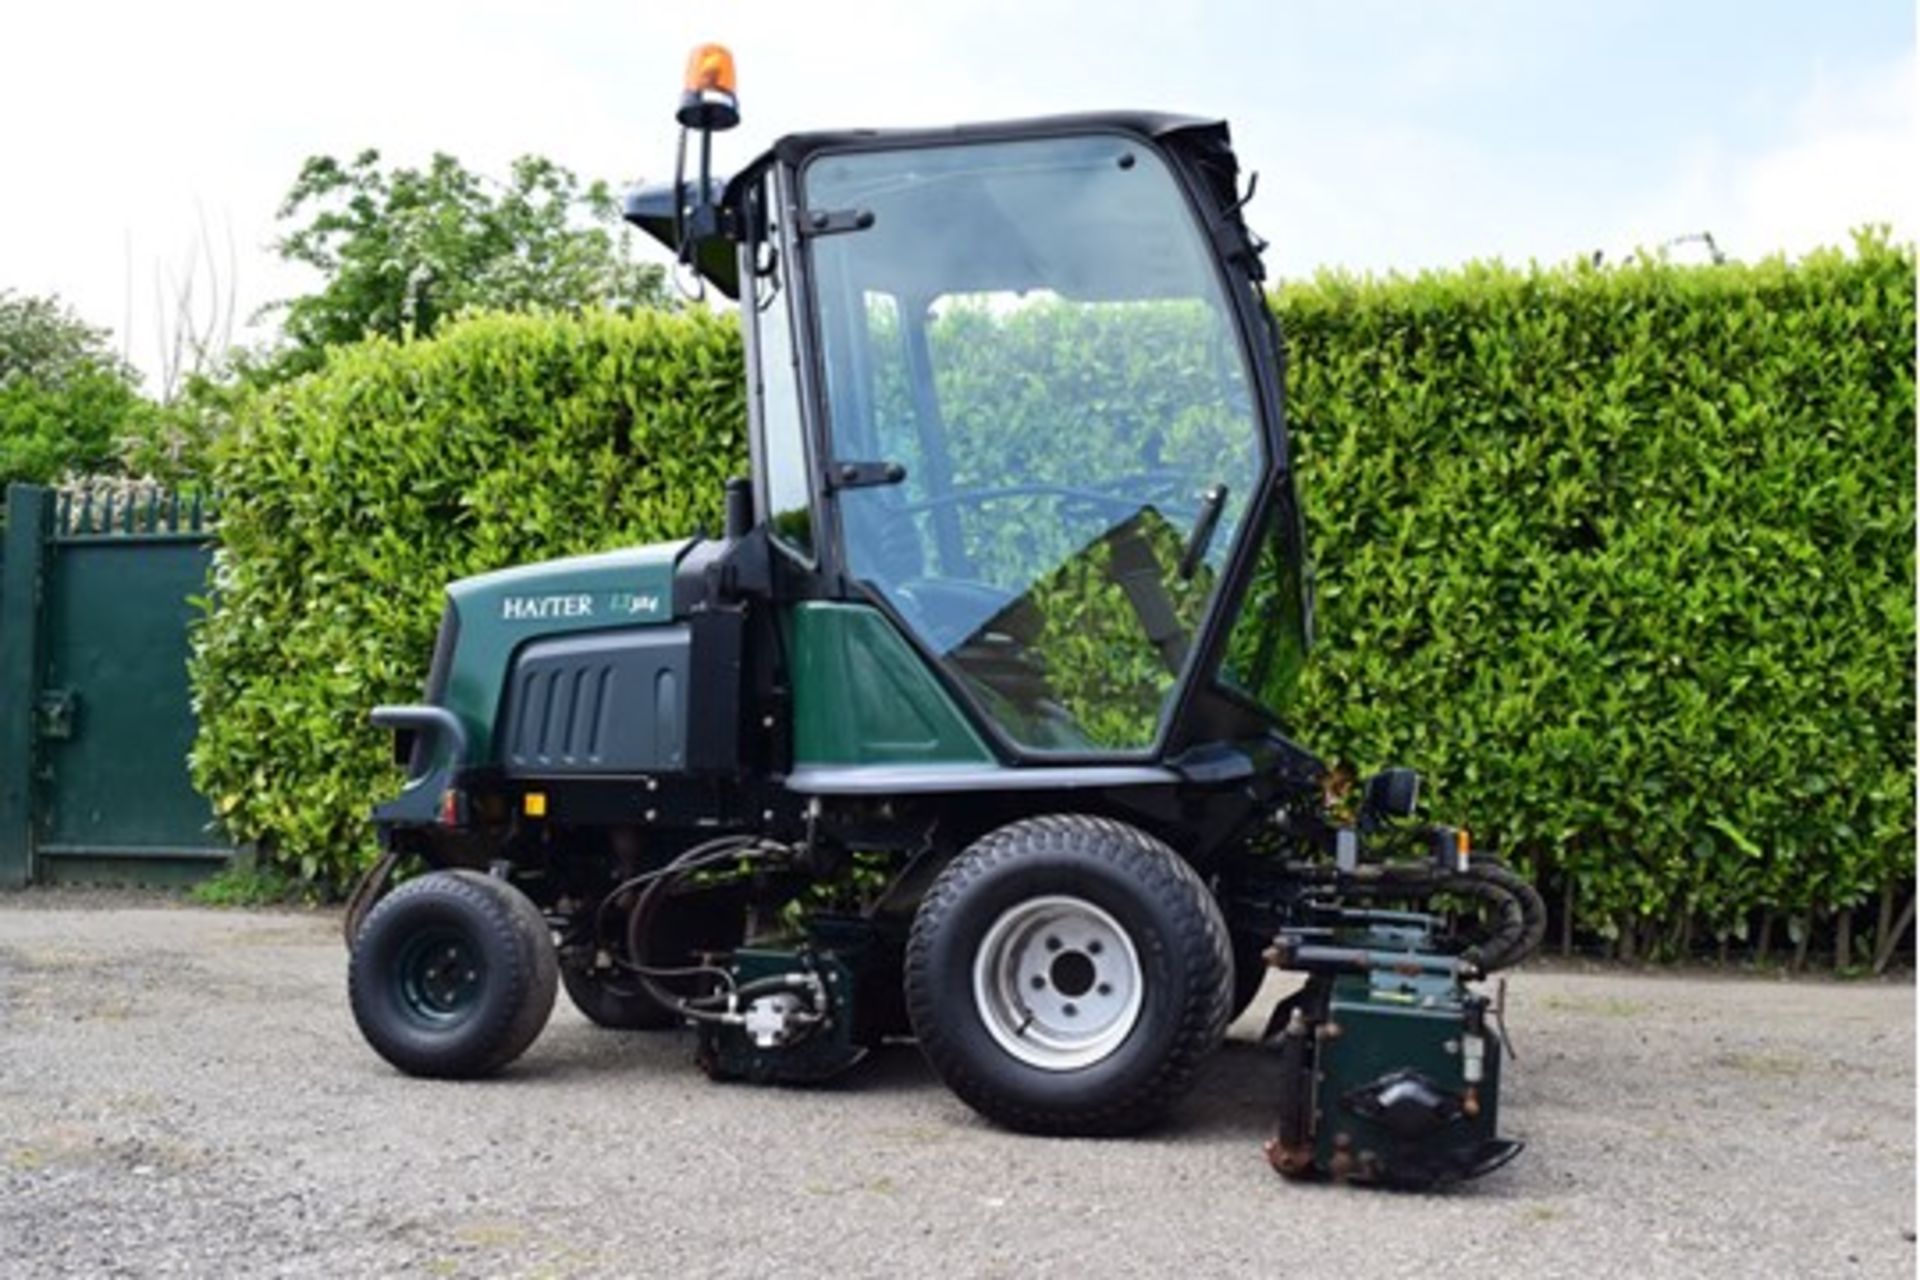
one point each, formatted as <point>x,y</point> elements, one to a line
<point>970,725</point>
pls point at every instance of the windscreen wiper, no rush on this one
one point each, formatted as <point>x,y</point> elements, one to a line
<point>1212,503</point>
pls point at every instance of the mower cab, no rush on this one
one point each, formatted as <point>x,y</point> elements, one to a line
<point>1016,395</point>
<point>984,684</point>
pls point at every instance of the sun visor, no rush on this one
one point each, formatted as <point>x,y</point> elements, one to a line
<point>650,207</point>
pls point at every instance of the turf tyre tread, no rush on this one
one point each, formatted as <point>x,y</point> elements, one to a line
<point>605,1006</point>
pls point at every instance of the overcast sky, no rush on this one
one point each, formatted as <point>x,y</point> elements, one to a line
<point>1388,135</point>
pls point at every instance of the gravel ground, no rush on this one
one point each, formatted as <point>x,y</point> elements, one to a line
<point>182,1091</point>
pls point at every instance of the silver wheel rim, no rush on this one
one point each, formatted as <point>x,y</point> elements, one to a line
<point>1057,983</point>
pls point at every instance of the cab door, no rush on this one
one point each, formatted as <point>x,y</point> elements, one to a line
<point>784,468</point>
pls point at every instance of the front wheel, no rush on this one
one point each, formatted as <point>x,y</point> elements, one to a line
<point>452,975</point>
<point>1067,975</point>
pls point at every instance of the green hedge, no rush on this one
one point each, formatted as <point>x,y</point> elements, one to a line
<point>1622,559</point>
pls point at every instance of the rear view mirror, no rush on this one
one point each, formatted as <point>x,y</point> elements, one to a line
<point>1391,793</point>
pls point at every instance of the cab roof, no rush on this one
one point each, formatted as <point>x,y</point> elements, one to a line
<point>651,207</point>
<point>797,148</point>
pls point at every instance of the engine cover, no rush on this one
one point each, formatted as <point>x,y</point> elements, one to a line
<point>601,702</point>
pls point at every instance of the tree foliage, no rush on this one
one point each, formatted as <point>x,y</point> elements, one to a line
<point>66,400</point>
<point>403,249</point>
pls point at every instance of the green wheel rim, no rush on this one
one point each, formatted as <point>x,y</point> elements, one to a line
<point>439,975</point>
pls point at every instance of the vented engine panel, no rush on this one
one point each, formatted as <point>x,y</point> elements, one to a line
<point>607,702</point>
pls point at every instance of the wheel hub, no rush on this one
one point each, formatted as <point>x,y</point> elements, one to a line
<point>439,974</point>
<point>1057,983</point>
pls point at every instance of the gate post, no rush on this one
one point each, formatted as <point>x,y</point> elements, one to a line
<point>20,575</point>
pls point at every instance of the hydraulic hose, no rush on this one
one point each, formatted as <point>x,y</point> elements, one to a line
<point>659,884</point>
<point>1519,913</point>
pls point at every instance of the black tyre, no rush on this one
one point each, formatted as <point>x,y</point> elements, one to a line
<point>1067,975</point>
<point>687,928</point>
<point>609,1001</point>
<point>452,975</point>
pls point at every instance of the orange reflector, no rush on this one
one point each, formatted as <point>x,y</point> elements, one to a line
<point>711,68</point>
<point>534,804</point>
<point>1465,845</point>
<point>450,808</point>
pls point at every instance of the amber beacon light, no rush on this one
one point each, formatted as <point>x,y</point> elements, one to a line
<point>707,100</point>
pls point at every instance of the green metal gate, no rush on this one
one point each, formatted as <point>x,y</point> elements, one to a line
<point>95,602</point>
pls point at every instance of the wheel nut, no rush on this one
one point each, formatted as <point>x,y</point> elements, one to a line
<point>1071,1010</point>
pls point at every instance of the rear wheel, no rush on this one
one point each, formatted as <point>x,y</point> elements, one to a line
<point>452,975</point>
<point>690,929</point>
<point>609,1002</point>
<point>1066,975</point>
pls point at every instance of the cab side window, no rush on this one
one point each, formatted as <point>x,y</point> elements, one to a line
<point>783,448</point>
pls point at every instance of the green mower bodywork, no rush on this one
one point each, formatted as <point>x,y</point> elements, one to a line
<point>976,707</point>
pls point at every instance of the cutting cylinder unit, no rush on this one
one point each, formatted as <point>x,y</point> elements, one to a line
<point>1389,1062</point>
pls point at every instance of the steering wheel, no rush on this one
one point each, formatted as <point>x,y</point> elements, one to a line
<point>1157,488</point>
<point>1167,484</point>
<point>947,610</point>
